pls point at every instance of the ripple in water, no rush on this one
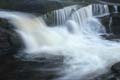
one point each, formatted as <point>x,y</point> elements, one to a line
<point>78,39</point>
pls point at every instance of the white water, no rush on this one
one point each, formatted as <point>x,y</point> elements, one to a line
<point>116,8</point>
<point>78,39</point>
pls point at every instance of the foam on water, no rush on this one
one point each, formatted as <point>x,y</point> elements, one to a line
<point>78,39</point>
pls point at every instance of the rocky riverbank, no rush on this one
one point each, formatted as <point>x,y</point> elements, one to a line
<point>10,41</point>
<point>12,68</point>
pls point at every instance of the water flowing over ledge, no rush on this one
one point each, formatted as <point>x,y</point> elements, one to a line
<point>60,16</point>
<point>75,35</point>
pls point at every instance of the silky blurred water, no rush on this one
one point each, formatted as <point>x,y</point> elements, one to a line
<point>73,49</point>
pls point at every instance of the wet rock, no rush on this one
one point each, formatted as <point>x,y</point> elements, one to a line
<point>111,1</point>
<point>116,68</point>
<point>106,76</point>
<point>12,68</point>
<point>105,21</point>
<point>41,6</point>
<point>10,41</point>
<point>115,25</point>
<point>33,6</point>
<point>112,37</point>
<point>111,23</point>
<point>113,74</point>
<point>112,8</point>
<point>112,26</point>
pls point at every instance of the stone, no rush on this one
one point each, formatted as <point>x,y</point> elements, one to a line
<point>112,37</point>
<point>116,68</point>
<point>111,23</point>
<point>111,1</point>
<point>115,25</point>
<point>31,6</point>
<point>10,41</point>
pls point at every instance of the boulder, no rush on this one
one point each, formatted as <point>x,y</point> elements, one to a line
<point>113,74</point>
<point>41,6</point>
<point>111,23</point>
<point>115,25</point>
<point>116,68</point>
<point>10,41</point>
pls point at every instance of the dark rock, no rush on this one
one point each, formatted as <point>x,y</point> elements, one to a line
<point>111,37</point>
<point>111,23</point>
<point>115,25</point>
<point>110,1</point>
<point>118,8</point>
<point>40,6</point>
<point>114,74</point>
<point>10,41</point>
<point>116,68</point>
<point>33,6</point>
<point>105,21</point>
<point>106,76</point>
<point>111,8</point>
<point>12,68</point>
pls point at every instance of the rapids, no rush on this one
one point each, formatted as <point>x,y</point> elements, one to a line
<point>76,36</point>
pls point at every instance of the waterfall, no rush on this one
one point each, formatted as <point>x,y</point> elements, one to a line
<point>100,9</point>
<point>116,8</point>
<point>76,36</point>
<point>59,17</point>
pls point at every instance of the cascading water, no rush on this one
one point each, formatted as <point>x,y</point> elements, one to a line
<point>110,22</point>
<point>78,39</point>
<point>100,9</point>
<point>116,8</point>
<point>60,16</point>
